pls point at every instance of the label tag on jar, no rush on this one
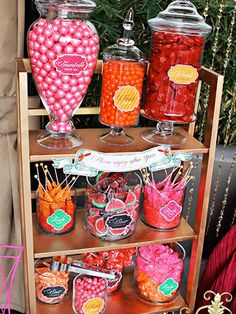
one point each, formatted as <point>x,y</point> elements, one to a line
<point>126,98</point>
<point>94,306</point>
<point>170,211</point>
<point>119,221</point>
<point>59,219</point>
<point>70,64</point>
<point>168,286</point>
<point>183,74</point>
<point>53,292</point>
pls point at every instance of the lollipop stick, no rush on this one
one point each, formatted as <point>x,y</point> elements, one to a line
<point>36,177</point>
<point>56,175</point>
<point>47,171</point>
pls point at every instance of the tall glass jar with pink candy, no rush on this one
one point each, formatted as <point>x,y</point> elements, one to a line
<point>63,47</point>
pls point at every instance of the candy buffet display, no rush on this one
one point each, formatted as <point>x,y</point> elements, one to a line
<point>178,36</point>
<point>63,47</point>
<point>114,260</point>
<point>112,205</point>
<point>163,201</point>
<point>51,286</point>
<point>89,295</point>
<point>56,203</point>
<point>122,81</point>
<point>158,272</point>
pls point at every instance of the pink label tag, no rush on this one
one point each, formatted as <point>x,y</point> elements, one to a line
<point>70,64</point>
<point>170,211</point>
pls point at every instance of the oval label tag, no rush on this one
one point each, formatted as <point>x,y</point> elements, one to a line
<point>126,98</point>
<point>119,221</point>
<point>168,286</point>
<point>183,74</point>
<point>93,306</point>
<point>70,64</point>
<point>170,210</point>
<point>53,292</point>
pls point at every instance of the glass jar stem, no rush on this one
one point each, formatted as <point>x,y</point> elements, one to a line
<point>164,128</point>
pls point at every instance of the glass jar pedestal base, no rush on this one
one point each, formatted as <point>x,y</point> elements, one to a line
<point>116,137</point>
<point>164,134</point>
<point>59,140</point>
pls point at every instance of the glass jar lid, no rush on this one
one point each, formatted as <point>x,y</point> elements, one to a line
<point>83,6</point>
<point>182,16</point>
<point>125,49</point>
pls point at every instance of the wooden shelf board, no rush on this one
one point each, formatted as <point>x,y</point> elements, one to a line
<point>79,240</point>
<point>125,301</point>
<point>90,136</point>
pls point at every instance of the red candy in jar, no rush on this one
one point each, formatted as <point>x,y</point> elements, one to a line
<point>177,45</point>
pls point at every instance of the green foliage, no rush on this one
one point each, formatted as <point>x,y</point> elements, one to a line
<point>108,19</point>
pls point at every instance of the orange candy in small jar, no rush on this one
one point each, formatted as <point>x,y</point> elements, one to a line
<point>122,84</point>
<point>124,67</point>
<point>51,286</point>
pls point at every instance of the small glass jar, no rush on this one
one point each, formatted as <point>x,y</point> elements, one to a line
<point>112,206</point>
<point>63,47</point>
<point>51,286</point>
<point>122,81</point>
<point>158,272</point>
<point>56,217</point>
<point>89,294</point>
<point>162,209</point>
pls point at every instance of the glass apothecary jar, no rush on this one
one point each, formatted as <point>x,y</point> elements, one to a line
<point>178,36</point>
<point>89,294</point>
<point>51,286</point>
<point>112,205</point>
<point>158,272</point>
<point>62,47</point>
<point>122,81</point>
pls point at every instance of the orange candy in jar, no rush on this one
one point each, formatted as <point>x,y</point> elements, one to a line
<point>122,84</point>
<point>124,67</point>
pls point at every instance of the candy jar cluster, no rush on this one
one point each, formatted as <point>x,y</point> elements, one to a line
<point>178,36</point>
<point>63,47</point>
<point>122,82</point>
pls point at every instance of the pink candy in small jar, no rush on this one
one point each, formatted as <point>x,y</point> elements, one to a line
<point>158,271</point>
<point>63,47</point>
<point>89,295</point>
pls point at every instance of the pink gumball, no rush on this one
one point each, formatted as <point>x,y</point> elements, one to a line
<point>69,49</point>
<point>31,45</point>
<point>64,41</point>
<point>95,49</point>
<point>65,87</point>
<point>65,78</point>
<point>92,42</point>
<point>53,88</point>
<point>51,100</point>
<point>87,72</point>
<point>88,50</point>
<point>56,36</point>
<point>58,82</point>
<point>37,55</point>
<point>63,102</point>
<point>43,49</point>
<point>36,46</point>
<point>39,79</point>
<point>39,64</point>
<point>43,73</point>
<point>56,22</point>
<point>50,54</point>
<point>78,35</point>
<point>66,108</point>
<point>75,42</point>
<point>44,86</point>
<point>72,29</point>
<point>53,75</point>
<point>77,22</point>
<point>60,94</point>
<point>69,112</point>
<point>77,94</point>
<point>39,30</point>
<point>60,112</point>
<point>57,48</point>
<point>33,61</point>
<point>91,65</point>
<point>40,39</point>
<point>69,96</point>
<point>68,128</point>
<point>73,82</point>
<point>80,50</point>
<point>49,93</point>
<point>89,58</point>
<point>33,36</point>
<point>57,106</point>
<point>73,89</point>
<point>47,67</point>
<point>87,79</point>
<point>63,30</point>
<point>48,31</point>
<point>96,38</point>
<point>81,80</point>
<point>85,42</point>
<point>36,70</point>
<point>48,80</point>
<point>54,126</point>
<point>49,43</point>
<point>62,129</point>
<point>72,102</point>
<point>43,59</point>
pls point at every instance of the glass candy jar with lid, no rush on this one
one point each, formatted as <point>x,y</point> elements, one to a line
<point>122,81</point>
<point>178,36</point>
<point>62,47</point>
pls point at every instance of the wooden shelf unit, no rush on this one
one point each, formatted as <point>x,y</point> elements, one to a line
<point>40,245</point>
